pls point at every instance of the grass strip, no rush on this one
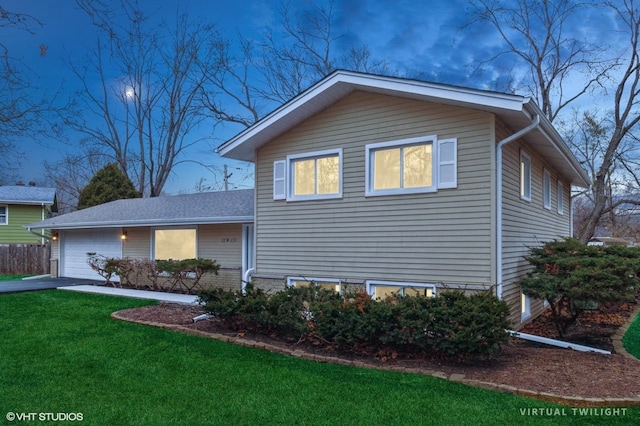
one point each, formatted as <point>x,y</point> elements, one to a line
<point>9,277</point>
<point>631,338</point>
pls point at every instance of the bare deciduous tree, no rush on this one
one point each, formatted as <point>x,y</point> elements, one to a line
<point>299,52</point>
<point>534,34</point>
<point>144,113</point>
<point>621,144</point>
<point>24,109</point>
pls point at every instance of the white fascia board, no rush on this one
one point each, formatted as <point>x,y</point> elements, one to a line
<point>339,84</point>
<point>27,203</point>
<point>142,223</point>
<point>452,94</point>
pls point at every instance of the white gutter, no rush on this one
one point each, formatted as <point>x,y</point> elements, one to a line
<point>534,123</point>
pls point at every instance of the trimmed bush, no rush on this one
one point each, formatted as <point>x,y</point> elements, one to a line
<point>181,274</point>
<point>452,324</point>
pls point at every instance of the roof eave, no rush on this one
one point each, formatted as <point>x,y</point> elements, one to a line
<point>142,223</point>
<point>338,85</point>
<point>578,176</point>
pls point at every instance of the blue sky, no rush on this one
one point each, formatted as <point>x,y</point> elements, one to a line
<point>413,36</point>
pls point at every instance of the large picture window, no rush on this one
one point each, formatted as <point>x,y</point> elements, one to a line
<point>315,175</point>
<point>176,244</point>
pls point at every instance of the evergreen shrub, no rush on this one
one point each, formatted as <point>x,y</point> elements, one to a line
<point>451,325</point>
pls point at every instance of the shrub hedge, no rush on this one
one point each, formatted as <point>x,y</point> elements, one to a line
<point>451,325</point>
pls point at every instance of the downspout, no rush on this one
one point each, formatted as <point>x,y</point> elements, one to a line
<point>246,279</point>
<point>534,123</point>
<point>43,236</point>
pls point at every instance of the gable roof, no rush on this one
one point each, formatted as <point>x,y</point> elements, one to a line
<point>34,195</point>
<point>191,209</point>
<point>517,112</point>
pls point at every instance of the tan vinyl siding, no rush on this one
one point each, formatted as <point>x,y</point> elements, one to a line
<point>138,244</point>
<point>436,237</point>
<point>527,223</point>
<point>55,258</point>
<point>222,243</point>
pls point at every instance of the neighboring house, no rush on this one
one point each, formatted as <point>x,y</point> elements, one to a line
<point>212,225</point>
<point>20,205</point>
<point>608,241</point>
<point>389,184</point>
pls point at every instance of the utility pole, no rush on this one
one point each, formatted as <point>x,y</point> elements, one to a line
<point>226,178</point>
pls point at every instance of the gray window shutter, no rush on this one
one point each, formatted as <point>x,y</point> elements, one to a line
<point>279,178</point>
<point>447,163</point>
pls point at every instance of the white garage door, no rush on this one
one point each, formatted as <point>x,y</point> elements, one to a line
<point>75,244</point>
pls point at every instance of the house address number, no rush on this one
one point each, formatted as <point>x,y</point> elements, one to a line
<point>229,240</point>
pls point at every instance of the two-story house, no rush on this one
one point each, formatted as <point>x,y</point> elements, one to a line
<point>21,205</point>
<point>396,185</point>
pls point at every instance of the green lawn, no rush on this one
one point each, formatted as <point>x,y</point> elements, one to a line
<point>631,339</point>
<point>61,353</point>
<point>12,277</point>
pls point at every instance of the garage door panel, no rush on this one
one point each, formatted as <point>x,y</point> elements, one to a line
<point>75,244</point>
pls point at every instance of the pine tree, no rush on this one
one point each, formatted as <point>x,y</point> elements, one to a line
<point>108,184</point>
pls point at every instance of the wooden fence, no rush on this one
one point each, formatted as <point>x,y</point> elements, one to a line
<point>32,259</point>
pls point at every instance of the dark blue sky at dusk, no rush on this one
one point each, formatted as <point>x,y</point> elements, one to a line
<point>418,37</point>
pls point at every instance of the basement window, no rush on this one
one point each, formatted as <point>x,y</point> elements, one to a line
<point>326,283</point>
<point>380,290</point>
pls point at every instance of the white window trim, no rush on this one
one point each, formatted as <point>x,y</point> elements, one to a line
<point>307,156</point>
<point>527,178</point>
<point>6,215</point>
<point>560,198</point>
<point>369,149</point>
<point>152,255</point>
<point>546,189</point>
<point>369,284</point>
<point>338,282</point>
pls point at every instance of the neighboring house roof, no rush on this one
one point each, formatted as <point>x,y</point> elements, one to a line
<point>34,195</point>
<point>609,241</point>
<point>191,209</point>
<point>517,112</point>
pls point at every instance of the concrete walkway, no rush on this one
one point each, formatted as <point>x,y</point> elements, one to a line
<point>136,294</point>
<point>41,283</point>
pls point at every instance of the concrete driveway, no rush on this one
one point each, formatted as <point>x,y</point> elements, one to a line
<point>41,284</point>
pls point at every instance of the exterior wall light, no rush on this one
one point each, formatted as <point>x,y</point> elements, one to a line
<point>54,236</point>
<point>123,236</point>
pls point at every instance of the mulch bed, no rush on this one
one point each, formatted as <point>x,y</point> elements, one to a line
<point>533,367</point>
